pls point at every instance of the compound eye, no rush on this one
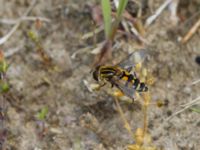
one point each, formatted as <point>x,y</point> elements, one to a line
<point>95,75</point>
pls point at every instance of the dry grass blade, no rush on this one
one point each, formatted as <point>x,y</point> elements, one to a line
<point>12,51</point>
<point>104,55</point>
<point>186,106</point>
<point>91,34</point>
<point>152,18</point>
<point>195,82</point>
<point>138,35</point>
<point>26,18</point>
<point>192,102</point>
<point>126,124</point>
<point>191,32</point>
<point>7,36</point>
<point>173,7</point>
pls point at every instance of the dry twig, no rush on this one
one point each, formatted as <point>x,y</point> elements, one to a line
<point>8,35</point>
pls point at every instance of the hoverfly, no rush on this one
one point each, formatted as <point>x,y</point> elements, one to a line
<point>121,75</point>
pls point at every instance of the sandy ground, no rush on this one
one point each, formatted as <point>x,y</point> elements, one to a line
<point>80,119</point>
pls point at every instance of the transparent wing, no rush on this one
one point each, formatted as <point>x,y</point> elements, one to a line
<point>128,91</point>
<point>133,59</point>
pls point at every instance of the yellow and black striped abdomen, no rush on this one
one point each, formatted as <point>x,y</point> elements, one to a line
<point>141,87</point>
<point>132,81</point>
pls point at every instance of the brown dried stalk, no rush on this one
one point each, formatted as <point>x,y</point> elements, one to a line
<point>191,32</point>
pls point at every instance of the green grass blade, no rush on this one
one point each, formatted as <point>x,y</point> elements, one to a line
<point>106,9</point>
<point>195,110</point>
<point>121,8</point>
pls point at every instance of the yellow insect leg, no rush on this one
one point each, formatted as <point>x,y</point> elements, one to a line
<point>118,93</point>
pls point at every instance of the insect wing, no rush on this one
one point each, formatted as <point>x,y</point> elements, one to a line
<point>133,59</point>
<point>126,90</point>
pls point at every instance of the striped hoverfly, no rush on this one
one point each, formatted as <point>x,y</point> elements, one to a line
<point>121,75</point>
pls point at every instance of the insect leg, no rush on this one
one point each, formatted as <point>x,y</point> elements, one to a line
<point>101,85</point>
<point>129,69</point>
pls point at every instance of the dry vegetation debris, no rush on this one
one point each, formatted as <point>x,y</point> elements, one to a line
<point>51,69</point>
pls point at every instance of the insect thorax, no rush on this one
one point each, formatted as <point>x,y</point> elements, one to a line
<point>108,72</point>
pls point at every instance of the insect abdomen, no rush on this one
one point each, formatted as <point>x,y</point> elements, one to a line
<point>141,87</point>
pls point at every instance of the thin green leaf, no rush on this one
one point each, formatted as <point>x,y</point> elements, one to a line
<point>4,87</point>
<point>106,8</point>
<point>121,8</point>
<point>3,66</point>
<point>42,114</point>
<point>195,110</point>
